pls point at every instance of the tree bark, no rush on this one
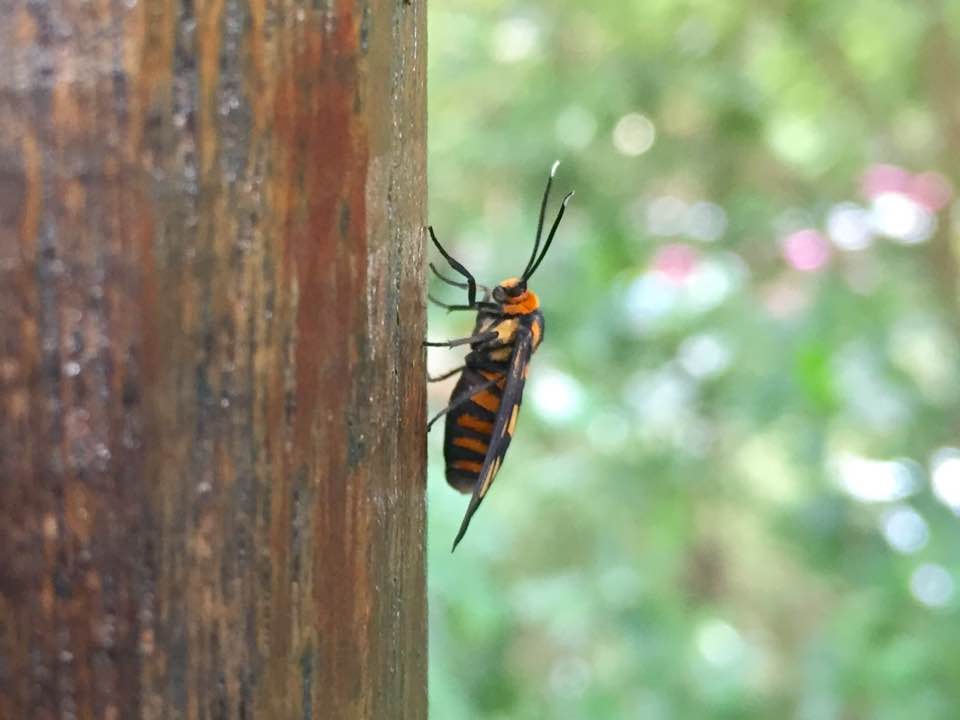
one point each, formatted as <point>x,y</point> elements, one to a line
<point>211,380</point>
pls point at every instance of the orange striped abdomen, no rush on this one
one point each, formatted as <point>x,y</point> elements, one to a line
<point>469,427</point>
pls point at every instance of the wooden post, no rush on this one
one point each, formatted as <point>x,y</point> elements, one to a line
<point>211,379</point>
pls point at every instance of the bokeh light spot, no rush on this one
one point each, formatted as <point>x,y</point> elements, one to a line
<point>798,140</point>
<point>882,178</point>
<point>515,39</point>
<point>666,216</point>
<point>869,480</point>
<point>556,396</point>
<point>932,585</point>
<point>676,262</point>
<point>899,218</point>
<point>931,190</point>
<point>633,134</point>
<point>848,226</point>
<point>706,221</point>
<point>806,250</point>
<point>945,477</point>
<point>705,355</point>
<point>905,530</point>
<point>719,643</point>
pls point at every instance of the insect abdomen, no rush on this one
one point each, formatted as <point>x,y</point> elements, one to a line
<point>469,428</point>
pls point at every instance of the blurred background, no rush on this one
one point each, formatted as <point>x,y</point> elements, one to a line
<point>735,486</point>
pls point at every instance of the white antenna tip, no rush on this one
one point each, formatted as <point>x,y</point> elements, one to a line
<point>567,198</point>
<point>553,170</point>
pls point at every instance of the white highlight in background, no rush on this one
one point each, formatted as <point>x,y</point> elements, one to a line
<point>945,476</point>
<point>869,480</point>
<point>633,134</point>
<point>932,585</point>
<point>515,39</point>
<point>848,226</point>
<point>719,643</point>
<point>555,395</point>
<point>905,530</point>
<point>706,221</point>
<point>705,355</point>
<point>901,219</point>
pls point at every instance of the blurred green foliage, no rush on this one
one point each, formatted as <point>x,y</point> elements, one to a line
<point>734,491</point>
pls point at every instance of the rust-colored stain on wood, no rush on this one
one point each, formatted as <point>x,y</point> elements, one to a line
<point>211,245</point>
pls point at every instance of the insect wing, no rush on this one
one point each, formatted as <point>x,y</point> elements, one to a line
<point>503,427</point>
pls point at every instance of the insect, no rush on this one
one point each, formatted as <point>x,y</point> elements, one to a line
<point>482,413</point>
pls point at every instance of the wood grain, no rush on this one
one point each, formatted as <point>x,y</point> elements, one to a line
<point>211,380</point>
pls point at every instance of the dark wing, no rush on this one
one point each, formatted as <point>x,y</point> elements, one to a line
<point>503,426</point>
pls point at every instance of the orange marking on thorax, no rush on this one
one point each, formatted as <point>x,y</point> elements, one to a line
<point>471,444</point>
<point>536,331</point>
<point>468,465</point>
<point>487,400</point>
<point>522,304</point>
<point>506,329</point>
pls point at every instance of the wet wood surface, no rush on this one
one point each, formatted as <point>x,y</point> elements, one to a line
<point>211,379</point>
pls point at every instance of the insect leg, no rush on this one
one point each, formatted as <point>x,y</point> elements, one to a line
<point>471,283</point>
<point>454,404</point>
<point>454,283</point>
<point>438,378</point>
<point>480,305</point>
<point>448,281</point>
<point>482,337</point>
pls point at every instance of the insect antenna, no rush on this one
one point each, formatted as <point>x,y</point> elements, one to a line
<point>553,231</point>
<point>543,212</point>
